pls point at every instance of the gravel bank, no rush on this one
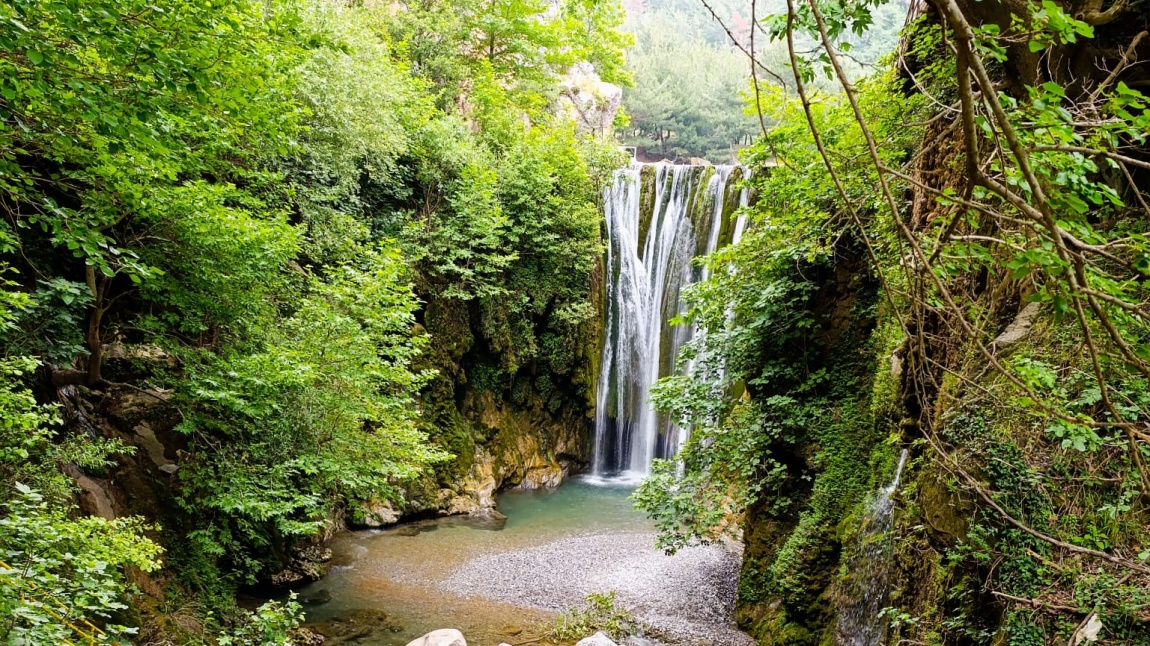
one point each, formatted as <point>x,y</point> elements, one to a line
<point>687,598</point>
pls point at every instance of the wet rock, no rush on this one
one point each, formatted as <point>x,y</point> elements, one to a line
<point>365,626</point>
<point>525,444</point>
<point>545,477</point>
<point>318,598</point>
<point>598,639</point>
<point>488,513</point>
<point>441,637</point>
<point>407,530</point>
<point>308,564</point>
<point>307,637</point>
<point>489,519</point>
<point>286,578</point>
<point>94,498</point>
<point>1020,327</point>
<point>145,438</point>
<point>375,513</point>
<point>461,506</point>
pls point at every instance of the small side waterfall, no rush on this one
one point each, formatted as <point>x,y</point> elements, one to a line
<point>859,622</point>
<point>659,217</point>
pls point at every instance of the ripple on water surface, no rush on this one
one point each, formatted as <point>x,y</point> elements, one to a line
<point>500,583</point>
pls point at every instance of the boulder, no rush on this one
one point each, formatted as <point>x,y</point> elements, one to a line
<point>308,564</point>
<point>545,477</point>
<point>589,101</point>
<point>598,639</point>
<point>377,513</point>
<point>441,637</point>
<point>318,598</point>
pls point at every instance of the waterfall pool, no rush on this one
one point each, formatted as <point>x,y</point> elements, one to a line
<point>503,581</point>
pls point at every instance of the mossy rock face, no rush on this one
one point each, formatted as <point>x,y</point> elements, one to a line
<point>503,430</point>
<point>793,581</point>
<point>594,338</point>
<point>647,178</point>
<point>943,512</point>
<point>701,207</point>
<point>731,204</point>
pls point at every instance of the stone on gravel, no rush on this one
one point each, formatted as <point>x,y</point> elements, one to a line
<point>441,637</point>
<point>598,639</point>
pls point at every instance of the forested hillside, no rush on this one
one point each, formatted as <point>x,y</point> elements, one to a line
<point>252,254</point>
<point>692,94</point>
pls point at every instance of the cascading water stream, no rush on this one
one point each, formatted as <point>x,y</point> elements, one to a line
<point>860,622</point>
<point>659,217</point>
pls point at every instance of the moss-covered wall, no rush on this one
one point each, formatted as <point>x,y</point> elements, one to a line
<point>796,539</point>
<point>530,428</point>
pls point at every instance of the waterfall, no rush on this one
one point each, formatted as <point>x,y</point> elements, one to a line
<point>658,218</point>
<point>859,623</point>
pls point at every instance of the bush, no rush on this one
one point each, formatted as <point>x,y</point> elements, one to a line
<point>62,579</point>
<point>599,613</point>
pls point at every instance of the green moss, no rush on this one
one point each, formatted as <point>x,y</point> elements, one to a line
<point>647,177</point>
<point>701,207</point>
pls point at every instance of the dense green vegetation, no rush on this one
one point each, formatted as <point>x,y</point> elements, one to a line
<point>239,214</point>
<point>949,257</point>
<point>262,262</point>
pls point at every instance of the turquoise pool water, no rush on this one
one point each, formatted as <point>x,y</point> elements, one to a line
<point>395,572</point>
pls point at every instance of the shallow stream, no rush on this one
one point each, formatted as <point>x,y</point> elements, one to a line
<point>501,581</point>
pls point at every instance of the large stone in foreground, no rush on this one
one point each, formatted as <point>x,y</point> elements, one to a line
<point>441,637</point>
<point>598,639</point>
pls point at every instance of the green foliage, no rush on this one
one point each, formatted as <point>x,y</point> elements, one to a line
<point>693,95</point>
<point>688,97</point>
<point>307,419</point>
<point>523,45</point>
<point>1045,442</point>
<point>763,321</point>
<point>62,579</point>
<point>271,623</point>
<point>600,612</point>
<point>143,85</point>
<point>31,449</point>
<point>256,192</point>
<point>789,420</point>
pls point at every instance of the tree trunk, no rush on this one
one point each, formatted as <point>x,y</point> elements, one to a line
<point>99,288</point>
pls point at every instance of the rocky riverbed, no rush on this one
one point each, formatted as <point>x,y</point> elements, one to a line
<point>687,598</point>
<point>504,582</point>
